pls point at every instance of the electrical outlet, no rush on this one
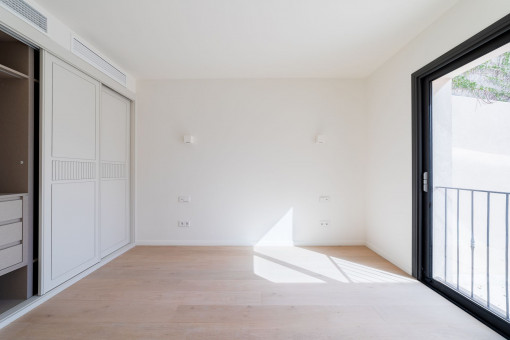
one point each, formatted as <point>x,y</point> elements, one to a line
<point>184,199</point>
<point>324,199</point>
<point>324,223</point>
<point>184,224</point>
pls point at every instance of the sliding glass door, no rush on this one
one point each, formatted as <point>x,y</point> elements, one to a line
<point>471,180</point>
<point>462,165</point>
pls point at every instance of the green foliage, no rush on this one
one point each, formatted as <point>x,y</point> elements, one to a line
<point>461,82</point>
<point>488,82</point>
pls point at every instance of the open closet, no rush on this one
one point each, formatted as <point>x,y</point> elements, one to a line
<point>19,88</point>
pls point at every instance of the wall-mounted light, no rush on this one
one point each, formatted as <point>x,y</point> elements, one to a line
<point>188,139</point>
<point>320,139</point>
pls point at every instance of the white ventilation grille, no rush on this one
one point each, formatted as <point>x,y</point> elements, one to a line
<point>27,12</point>
<point>87,54</point>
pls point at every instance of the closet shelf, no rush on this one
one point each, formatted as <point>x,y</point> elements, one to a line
<point>6,72</point>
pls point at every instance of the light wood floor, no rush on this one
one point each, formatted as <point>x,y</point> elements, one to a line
<point>245,293</point>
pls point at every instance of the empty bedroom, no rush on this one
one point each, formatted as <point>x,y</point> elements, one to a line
<point>236,169</point>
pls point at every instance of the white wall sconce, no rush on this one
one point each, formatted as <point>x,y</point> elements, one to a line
<point>320,139</point>
<point>188,139</point>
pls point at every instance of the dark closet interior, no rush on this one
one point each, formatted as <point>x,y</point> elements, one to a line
<point>19,108</point>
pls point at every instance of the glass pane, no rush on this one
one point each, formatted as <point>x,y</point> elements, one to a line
<point>471,179</point>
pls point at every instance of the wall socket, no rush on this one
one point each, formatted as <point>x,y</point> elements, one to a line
<point>184,224</point>
<point>325,223</point>
<point>184,199</point>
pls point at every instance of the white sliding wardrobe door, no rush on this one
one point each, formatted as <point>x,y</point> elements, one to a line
<point>114,151</point>
<point>70,176</point>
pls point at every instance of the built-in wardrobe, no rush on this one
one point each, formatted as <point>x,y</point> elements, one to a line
<point>85,155</point>
<point>65,159</point>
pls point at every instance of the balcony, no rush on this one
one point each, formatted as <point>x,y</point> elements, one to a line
<point>470,245</point>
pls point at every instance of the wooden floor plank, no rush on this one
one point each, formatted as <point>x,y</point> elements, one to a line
<point>247,293</point>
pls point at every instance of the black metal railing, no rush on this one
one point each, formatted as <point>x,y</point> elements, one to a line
<point>449,210</point>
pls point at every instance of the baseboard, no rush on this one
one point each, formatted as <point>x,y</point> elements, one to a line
<point>241,244</point>
<point>35,301</point>
<point>190,243</point>
<point>329,243</point>
<point>387,257</point>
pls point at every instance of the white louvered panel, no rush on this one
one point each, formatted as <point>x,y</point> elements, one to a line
<point>73,170</point>
<point>93,58</point>
<point>27,12</point>
<point>113,170</point>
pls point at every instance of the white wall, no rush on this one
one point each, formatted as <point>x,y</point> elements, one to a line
<point>255,162</point>
<point>389,196</point>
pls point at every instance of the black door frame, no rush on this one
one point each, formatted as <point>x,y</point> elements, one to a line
<point>496,35</point>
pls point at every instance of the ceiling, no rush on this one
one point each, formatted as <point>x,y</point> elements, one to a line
<point>193,39</point>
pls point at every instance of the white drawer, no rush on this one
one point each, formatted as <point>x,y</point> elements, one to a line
<point>11,233</point>
<point>11,256</point>
<point>11,210</point>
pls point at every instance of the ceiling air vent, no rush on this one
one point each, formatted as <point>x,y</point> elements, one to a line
<point>27,12</point>
<point>87,54</point>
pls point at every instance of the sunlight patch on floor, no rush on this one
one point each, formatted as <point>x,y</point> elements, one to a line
<point>304,259</point>
<point>357,273</point>
<point>298,265</point>
<point>278,273</point>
